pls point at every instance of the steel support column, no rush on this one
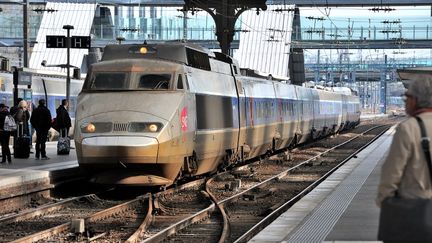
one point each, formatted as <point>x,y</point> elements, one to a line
<point>296,57</point>
<point>225,14</point>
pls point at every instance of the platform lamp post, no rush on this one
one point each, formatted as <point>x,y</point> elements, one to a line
<point>68,46</point>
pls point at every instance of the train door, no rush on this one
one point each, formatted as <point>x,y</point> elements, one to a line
<point>344,111</point>
<point>246,120</point>
<point>242,111</point>
<point>317,121</point>
<point>186,115</point>
<point>299,114</point>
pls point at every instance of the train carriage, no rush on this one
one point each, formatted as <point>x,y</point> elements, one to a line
<point>149,114</point>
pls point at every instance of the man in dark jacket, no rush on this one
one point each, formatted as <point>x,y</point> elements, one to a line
<point>5,134</point>
<point>41,121</point>
<point>63,120</point>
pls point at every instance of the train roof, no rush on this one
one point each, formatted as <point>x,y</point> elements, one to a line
<point>175,51</point>
<point>255,73</point>
<point>181,52</point>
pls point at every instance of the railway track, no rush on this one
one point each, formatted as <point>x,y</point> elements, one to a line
<point>229,207</point>
<point>22,226</point>
<point>242,209</point>
<point>15,200</point>
<point>39,192</point>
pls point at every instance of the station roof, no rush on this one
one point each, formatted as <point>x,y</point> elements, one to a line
<point>300,3</point>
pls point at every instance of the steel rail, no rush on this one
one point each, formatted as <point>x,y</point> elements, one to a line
<point>147,220</point>
<point>173,229</point>
<point>277,212</point>
<point>226,227</point>
<point>96,216</point>
<point>201,215</point>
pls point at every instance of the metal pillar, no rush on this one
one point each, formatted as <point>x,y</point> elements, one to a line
<point>25,32</point>
<point>296,57</point>
<point>68,46</point>
<point>383,88</point>
<point>15,85</point>
<point>185,25</point>
<point>225,14</point>
<point>317,70</point>
<point>116,21</point>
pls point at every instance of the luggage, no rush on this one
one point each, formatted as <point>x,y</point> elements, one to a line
<point>9,124</point>
<point>63,144</point>
<point>408,219</point>
<point>21,144</point>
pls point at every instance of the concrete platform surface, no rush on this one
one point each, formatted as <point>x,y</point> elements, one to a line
<point>25,170</point>
<point>340,209</point>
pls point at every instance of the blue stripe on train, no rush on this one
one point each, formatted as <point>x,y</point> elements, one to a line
<point>52,103</point>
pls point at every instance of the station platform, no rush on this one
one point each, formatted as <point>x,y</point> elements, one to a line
<point>340,209</point>
<point>31,174</point>
<point>372,116</point>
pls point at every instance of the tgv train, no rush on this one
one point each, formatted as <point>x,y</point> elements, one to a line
<point>149,114</point>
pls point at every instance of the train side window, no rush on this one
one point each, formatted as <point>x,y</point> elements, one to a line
<point>154,81</point>
<point>185,80</point>
<point>180,82</point>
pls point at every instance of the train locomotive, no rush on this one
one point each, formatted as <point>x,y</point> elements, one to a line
<point>152,113</point>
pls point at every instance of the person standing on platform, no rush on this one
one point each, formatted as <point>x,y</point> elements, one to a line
<point>41,121</point>
<point>22,116</point>
<point>63,119</point>
<point>406,172</point>
<point>14,108</point>
<point>5,132</point>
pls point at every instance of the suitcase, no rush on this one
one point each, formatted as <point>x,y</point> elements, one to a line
<point>22,144</point>
<point>63,144</point>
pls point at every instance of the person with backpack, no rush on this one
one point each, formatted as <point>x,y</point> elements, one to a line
<point>7,126</point>
<point>41,121</point>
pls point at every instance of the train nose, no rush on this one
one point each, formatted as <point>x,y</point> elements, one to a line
<point>123,150</point>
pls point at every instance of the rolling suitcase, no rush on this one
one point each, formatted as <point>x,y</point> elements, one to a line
<point>22,144</point>
<point>63,144</point>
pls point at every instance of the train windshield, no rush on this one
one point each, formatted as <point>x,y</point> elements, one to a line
<point>154,81</point>
<point>101,81</point>
<point>107,81</point>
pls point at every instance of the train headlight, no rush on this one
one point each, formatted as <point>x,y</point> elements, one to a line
<point>153,127</point>
<point>143,50</point>
<point>96,127</point>
<point>90,128</point>
<point>145,127</point>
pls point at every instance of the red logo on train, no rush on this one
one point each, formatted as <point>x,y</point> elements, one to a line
<point>183,119</point>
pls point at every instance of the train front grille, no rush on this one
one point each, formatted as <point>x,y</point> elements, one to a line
<point>120,127</point>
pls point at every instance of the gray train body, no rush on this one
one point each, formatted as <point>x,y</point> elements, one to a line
<point>149,114</point>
